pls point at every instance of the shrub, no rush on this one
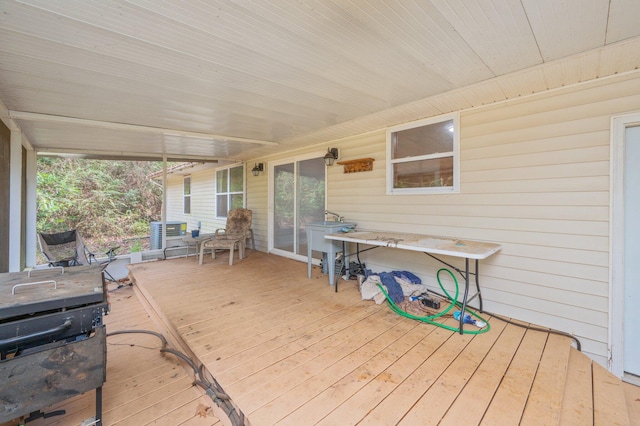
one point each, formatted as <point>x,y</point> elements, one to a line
<point>110,202</point>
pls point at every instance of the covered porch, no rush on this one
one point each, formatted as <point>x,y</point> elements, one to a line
<point>289,350</point>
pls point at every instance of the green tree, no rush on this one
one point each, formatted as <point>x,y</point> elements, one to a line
<point>109,202</point>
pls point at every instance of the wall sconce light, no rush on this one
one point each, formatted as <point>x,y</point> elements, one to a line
<point>259,167</point>
<point>331,156</point>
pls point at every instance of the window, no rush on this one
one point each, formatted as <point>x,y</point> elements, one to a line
<point>229,190</point>
<point>186,189</point>
<point>423,157</point>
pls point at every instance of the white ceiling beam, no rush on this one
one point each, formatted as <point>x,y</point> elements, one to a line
<point>13,126</point>
<point>123,155</point>
<point>4,116</point>
<point>32,116</point>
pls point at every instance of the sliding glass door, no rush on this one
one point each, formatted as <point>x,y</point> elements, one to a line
<point>298,197</point>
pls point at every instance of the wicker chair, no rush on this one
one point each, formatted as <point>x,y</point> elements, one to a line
<point>234,235</point>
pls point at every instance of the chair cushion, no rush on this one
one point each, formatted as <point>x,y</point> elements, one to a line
<point>226,242</point>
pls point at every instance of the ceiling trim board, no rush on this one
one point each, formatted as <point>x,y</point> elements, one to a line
<point>32,116</point>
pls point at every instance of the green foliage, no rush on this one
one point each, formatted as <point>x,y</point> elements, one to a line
<point>109,202</point>
<point>311,194</point>
<point>284,195</point>
<point>136,246</point>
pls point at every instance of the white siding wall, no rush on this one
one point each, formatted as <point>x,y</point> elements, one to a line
<point>257,200</point>
<point>203,199</point>
<point>174,198</point>
<point>534,178</point>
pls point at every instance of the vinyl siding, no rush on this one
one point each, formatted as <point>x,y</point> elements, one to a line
<point>203,200</point>
<point>258,201</point>
<point>534,178</point>
<point>174,199</point>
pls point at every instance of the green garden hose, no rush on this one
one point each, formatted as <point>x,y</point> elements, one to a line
<point>430,319</point>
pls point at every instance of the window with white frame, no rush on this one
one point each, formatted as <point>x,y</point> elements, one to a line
<point>186,193</point>
<point>423,157</point>
<point>229,189</point>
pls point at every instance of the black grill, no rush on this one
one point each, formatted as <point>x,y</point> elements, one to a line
<point>52,339</point>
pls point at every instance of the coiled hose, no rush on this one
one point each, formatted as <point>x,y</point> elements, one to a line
<point>454,301</point>
<point>431,319</point>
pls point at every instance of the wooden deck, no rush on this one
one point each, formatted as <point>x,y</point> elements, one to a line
<point>290,351</point>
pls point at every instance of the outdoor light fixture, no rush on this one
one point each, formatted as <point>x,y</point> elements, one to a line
<point>259,167</point>
<point>331,156</point>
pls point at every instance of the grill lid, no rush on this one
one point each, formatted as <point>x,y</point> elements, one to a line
<point>50,289</point>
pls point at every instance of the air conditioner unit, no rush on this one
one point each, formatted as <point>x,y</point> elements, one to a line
<point>174,229</point>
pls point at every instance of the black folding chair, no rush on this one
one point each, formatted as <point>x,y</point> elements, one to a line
<point>65,249</point>
<point>68,249</point>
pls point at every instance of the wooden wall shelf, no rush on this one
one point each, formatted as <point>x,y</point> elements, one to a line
<point>359,165</point>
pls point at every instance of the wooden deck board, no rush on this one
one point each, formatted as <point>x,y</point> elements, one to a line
<point>327,353</point>
<point>438,398</point>
<point>273,330</point>
<point>324,403</point>
<point>384,384</point>
<point>609,404</point>
<point>632,396</point>
<point>159,404</point>
<point>508,402</point>
<point>249,305</point>
<point>578,395</point>
<point>472,402</point>
<point>289,350</point>
<point>195,413</point>
<point>395,406</point>
<point>545,399</point>
<point>325,378</point>
<point>282,373</point>
<point>261,363</point>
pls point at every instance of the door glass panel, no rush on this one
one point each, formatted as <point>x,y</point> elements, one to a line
<point>299,198</point>
<point>310,198</point>
<point>283,206</point>
<point>631,329</point>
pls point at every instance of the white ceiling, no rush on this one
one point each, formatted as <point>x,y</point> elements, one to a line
<point>239,79</point>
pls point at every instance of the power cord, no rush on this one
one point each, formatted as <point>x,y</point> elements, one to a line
<point>500,317</point>
<point>211,387</point>
<point>535,328</point>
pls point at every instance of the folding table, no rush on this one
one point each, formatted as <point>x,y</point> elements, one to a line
<point>430,245</point>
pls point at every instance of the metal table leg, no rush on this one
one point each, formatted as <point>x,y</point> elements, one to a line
<point>466,298</point>
<point>344,259</point>
<point>99,406</point>
<point>466,294</point>
<point>465,275</point>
